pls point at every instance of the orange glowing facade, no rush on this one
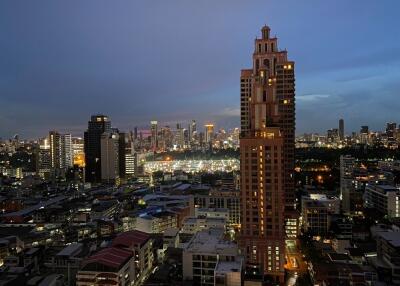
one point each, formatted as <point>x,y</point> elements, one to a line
<point>267,157</point>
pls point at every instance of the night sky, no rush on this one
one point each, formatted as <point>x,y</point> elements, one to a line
<point>173,61</point>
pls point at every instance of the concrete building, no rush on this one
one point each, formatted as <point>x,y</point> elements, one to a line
<point>346,182</point>
<point>388,253</point>
<point>43,158</point>
<point>225,198</point>
<point>267,156</point>
<point>212,213</point>
<point>141,246</point>
<point>61,156</point>
<point>111,265</point>
<point>110,157</point>
<point>156,222</point>
<point>209,134</point>
<point>127,262</point>
<point>210,260</point>
<point>383,198</point>
<point>196,224</point>
<point>316,210</point>
<point>97,125</point>
<point>341,129</point>
<point>154,135</point>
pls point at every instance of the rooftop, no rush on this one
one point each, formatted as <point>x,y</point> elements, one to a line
<point>70,249</point>
<point>130,239</point>
<point>228,266</point>
<point>392,237</point>
<point>211,242</point>
<point>111,257</point>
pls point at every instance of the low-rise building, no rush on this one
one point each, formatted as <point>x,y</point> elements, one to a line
<point>316,210</point>
<point>110,266</point>
<point>156,222</point>
<point>212,213</point>
<point>196,224</point>
<point>388,253</point>
<point>209,260</point>
<point>127,262</point>
<point>384,198</point>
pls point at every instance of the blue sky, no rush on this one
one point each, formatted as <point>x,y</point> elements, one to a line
<point>178,60</point>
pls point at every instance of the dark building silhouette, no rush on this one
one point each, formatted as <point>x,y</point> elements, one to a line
<point>97,125</point>
<point>341,129</point>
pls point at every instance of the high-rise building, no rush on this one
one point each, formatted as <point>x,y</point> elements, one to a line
<point>341,129</point>
<point>364,129</point>
<point>97,125</point>
<point>112,159</point>
<point>192,130</point>
<point>179,136</point>
<point>346,182</point>
<point>154,135</point>
<point>391,129</point>
<point>267,157</point>
<point>364,135</point>
<point>43,160</point>
<point>61,156</point>
<point>78,151</point>
<point>332,135</point>
<point>209,133</point>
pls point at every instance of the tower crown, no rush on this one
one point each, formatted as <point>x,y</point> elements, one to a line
<point>265,32</point>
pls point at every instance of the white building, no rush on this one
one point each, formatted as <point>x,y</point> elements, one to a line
<point>196,224</point>
<point>156,222</point>
<point>212,213</point>
<point>210,260</point>
<point>383,198</point>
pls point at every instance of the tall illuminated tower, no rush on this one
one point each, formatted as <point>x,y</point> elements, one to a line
<point>267,157</point>
<point>154,134</point>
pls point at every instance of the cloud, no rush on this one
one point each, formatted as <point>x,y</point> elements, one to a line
<point>312,97</point>
<point>229,112</point>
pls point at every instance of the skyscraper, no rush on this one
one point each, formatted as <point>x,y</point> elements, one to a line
<point>112,156</point>
<point>346,182</point>
<point>97,125</point>
<point>267,157</point>
<point>61,156</point>
<point>341,129</point>
<point>209,133</point>
<point>154,135</point>
<point>391,129</point>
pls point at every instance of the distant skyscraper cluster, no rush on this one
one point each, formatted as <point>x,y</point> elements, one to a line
<point>179,138</point>
<point>337,137</point>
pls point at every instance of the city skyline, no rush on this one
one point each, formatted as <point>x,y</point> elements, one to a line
<point>55,76</point>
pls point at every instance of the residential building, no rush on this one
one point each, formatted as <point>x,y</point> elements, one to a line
<point>267,157</point>
<point>97,125</point>
<point>384,198</point>
<point>209,260</point>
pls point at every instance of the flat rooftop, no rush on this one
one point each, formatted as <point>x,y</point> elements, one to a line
<point>211,242</point>
<point>393,237</point>
<point>70,249</point>
<point>228,266</point>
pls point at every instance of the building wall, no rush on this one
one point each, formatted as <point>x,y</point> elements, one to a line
<point>267,155</point>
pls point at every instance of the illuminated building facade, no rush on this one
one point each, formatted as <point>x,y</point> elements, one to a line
<point>209,133</point>
<point>61,156</point>
<point>78,151</point>
<point>267,157</point>
<point>154,135</point>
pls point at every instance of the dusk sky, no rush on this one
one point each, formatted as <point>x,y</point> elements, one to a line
<point>173,61</point>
